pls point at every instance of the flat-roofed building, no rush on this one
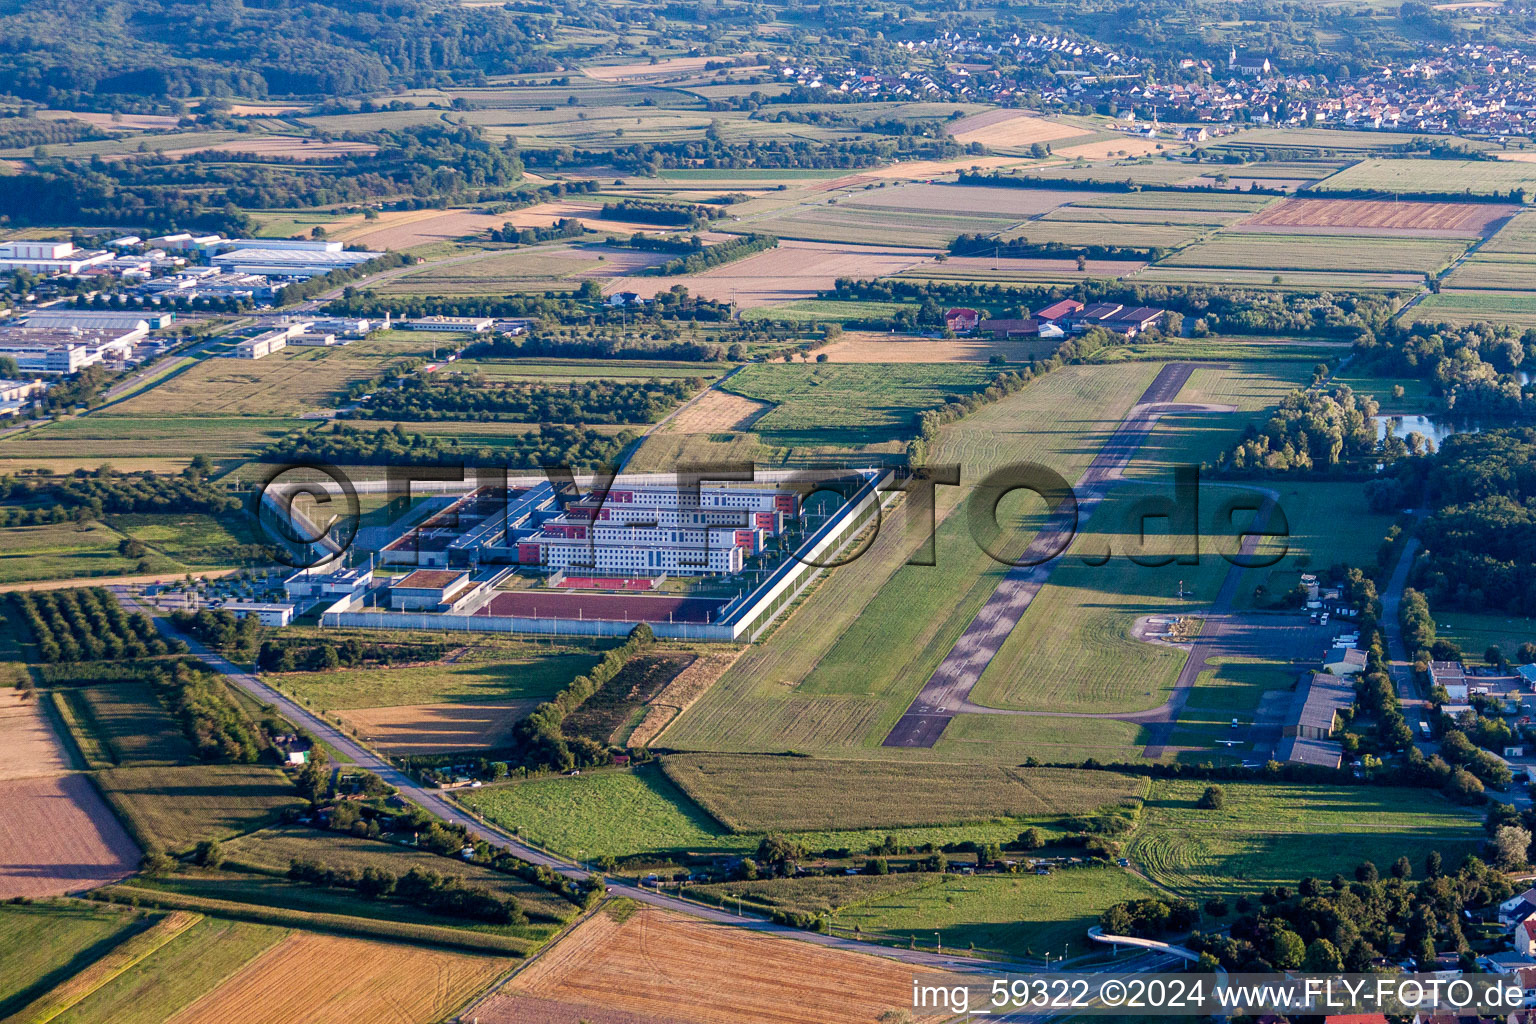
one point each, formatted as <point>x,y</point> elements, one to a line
<point>59,350</point>
<point>262,345</point>
<point>472,324</point>
<point>267,613</point>
<point>16,394</point>
<point>300,263</point>
<point>427,589</point>
<point>48,257</point>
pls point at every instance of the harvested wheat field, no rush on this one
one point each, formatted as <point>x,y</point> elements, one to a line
<point>715,411</point>
<point>404,228</point>
<point>328,979</point>
<point>666,967</point>
<point>263,109</point>
<point>118,122</point>
<point>437,728</point>
<point>1009,128</point>
<point>293,146</point>
<point>647,70</point>
<point>686,687</point>
<point>28,747</point>
<point>794,270</point>
<point>875,347</point>
<point>57,836</point>
<point>1375,216</point>
<point>1106,148</point>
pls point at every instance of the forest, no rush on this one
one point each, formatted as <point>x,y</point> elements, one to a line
<point>110,56</point>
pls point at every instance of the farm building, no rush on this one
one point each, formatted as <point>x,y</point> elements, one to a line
<point>1057,311</point>
<point>1112,316</point>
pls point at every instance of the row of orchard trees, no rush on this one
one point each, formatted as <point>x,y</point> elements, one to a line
<point>88,625</point>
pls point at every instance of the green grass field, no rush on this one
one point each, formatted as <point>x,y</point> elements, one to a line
<point>175,808</point>
<point>1282,253</point>
<point>134,442</point>
<point>500,672</point>
<point>816,894</point>
<point>131,722</point>
<point>831,405</point>
<point>175,975</point>
<point>191,539</point>
<point>1495,272</point>
<point>1482,177</point>
<point>42,944</point>
<point>809,311</point>
<point>1018,915</point>
<point>1516,236</point>
<point>621,813</point>
<point>1516,309</point>
<point>1277,833</point>
<point>63,551</point>
<point>841,669</point>
<point>752,793</point>
<point>1473,632</point>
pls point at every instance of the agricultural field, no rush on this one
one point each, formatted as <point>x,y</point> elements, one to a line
<point>861,407</point>
<point>540,268</point>
<point>129,723</point>
<point>1516,236</point>
<point>825,311</point>
<point>1010,129</point>
<point>154,441</point>
<point>794,270</point>
<point>1347,280</point>
<point>1513,308</point>
<point>175,808</point>
<point>622,813</point>
<point>476,674</point>
<point>408,729</point>
<point>1277,833</point>
<point>757,793</point>
<point>650,965</point>
<point>331,979</point>
<point>42,944</point>
<point>1480,177</point>
<point>1494,272</point>
<point>1281,253</point>
<point>28,746</point>
<point>58,836</point>
<point>876,347</point>
<point>1371,216</point>
<point>1080,232</point>
<point>175,975</point>
<point>1012,915</point>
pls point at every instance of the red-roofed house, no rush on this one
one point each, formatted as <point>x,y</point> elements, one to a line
<point>962,319</point>
<point>1356,1018</point>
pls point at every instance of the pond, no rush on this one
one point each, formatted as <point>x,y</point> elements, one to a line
<point>1436,430</point>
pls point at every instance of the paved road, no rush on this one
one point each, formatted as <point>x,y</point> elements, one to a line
<point>948,689</point>
<point>436,803</point>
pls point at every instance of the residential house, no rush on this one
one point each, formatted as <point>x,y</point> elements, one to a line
<point>962,319</point>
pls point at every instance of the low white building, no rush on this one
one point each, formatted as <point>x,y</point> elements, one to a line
<point>57,350</point>
<point>261,346</point>
<point>269,614</point>
<point>472,324</point>
<point>48,257</point>
<point>16,394</point>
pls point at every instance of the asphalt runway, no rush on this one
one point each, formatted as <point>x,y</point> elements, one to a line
<point>950,685</point>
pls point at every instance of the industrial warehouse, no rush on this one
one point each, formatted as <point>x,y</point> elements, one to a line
<point>716,561</point>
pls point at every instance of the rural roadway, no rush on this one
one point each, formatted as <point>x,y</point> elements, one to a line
<point>436,803</point>
<point>947,692</point>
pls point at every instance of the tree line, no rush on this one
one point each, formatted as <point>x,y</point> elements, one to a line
<point>586,402</point>
<point>549,445</point>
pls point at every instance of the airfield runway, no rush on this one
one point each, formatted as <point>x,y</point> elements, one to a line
<point>951,683</point>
